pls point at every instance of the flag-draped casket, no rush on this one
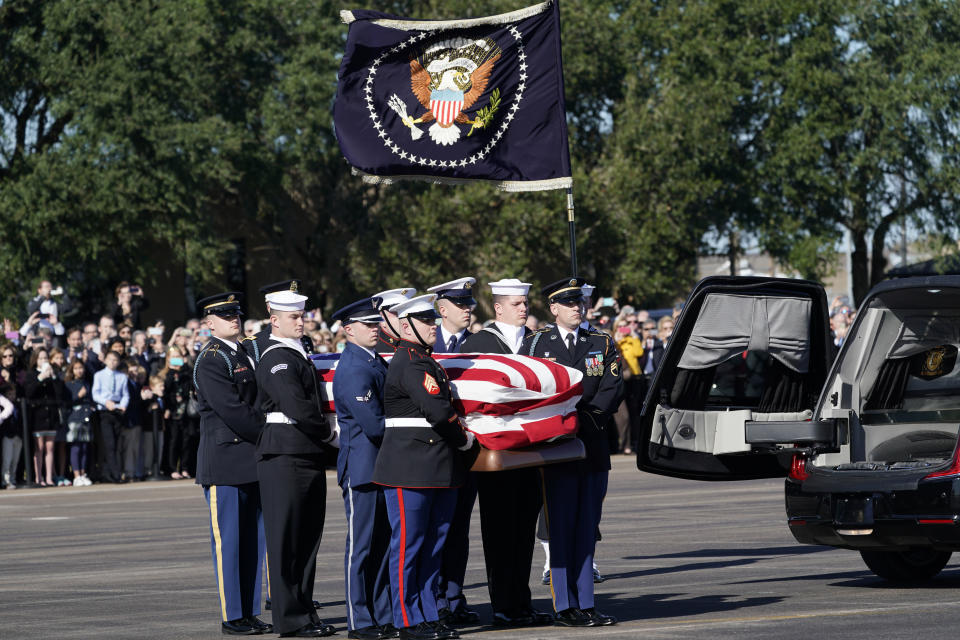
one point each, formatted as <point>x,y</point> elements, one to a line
<point>507,401</point>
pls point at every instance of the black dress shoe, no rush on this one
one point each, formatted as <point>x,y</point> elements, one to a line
<point>388,631</point>
<point>462,615</point>
<point>422,631</point>
<point>511,619</point>
<point>539,617</point>
<point>311,630</point>
<point>443,631</point>
<point>366,633</point>
<point>316,604</point>
<point>260,624</point>
<point>239,627</point>
<point>573,618</point>
<point>601,620</point>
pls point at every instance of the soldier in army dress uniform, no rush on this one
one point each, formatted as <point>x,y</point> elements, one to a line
<point>419,466</point>
<point>226,465</point>
<point>290,466</point>
<point>574,491</point>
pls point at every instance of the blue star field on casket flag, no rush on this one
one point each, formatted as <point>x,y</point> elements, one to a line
<point>455,100</point>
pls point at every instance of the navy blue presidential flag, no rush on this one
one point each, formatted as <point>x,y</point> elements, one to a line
<point>455,100</point>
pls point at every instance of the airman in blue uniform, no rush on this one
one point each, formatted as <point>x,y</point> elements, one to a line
<point>574,491</point>
<point>226,465</point>
<point>358,395</point>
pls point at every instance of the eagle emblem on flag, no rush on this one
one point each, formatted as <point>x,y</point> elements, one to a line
<point>447,78</point>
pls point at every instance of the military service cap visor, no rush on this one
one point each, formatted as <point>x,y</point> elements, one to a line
<point>458,291</point>
<point>286,301</point>
<point>391,297</point>
<point>360,311</point>
<point>420,308</point>
<point>509,287</point>
<point>566,290</point>
<point>222,304</point>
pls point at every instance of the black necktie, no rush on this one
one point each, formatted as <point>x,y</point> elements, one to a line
<point>570,340</point>
<point>452,345</point>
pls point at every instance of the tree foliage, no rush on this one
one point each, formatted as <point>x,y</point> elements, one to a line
<point>141,137</point>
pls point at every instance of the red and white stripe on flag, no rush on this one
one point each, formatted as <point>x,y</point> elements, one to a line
<point>508,401</point>
<point>446,111</point>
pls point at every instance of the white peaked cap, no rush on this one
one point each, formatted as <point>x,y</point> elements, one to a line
<point>509,287</point>
<point>460,284</point>
<point>391,297</point>
<point>286,301</point>
<point>587,290</point>
<point>416,306</point>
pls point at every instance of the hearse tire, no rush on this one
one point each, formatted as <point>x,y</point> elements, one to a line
<point>910,566</point>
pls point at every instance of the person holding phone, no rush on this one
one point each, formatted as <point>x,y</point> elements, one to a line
<point>178,384</point>
<point>129,304</point>
<point>43,394</point>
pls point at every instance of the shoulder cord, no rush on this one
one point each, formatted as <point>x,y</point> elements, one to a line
<point>533,343</point>
<point>202,353</point>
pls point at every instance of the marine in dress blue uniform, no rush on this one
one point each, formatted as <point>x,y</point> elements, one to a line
<point>385,301</point>
<point>420,465</point>
<point>509,500</point>
<point>573,491</point>
<point>455,303</point>
<point>290,455</point>
<point>358,395</point>
<point>226,465</point>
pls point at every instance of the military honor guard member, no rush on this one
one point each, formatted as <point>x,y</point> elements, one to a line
<point>260,341</point>
<point>385,301</point>
<point>509,500</point>
<point>290,466</point>
<point>226,464</point>
<point>358,396</point>
<point>574,491</point>
<point>455,304</point>
<point>420,465</point>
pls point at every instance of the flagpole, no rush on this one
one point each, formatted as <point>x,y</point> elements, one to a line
<point>572,232</point>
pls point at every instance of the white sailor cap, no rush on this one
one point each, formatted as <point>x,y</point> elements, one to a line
<point>587,290</point>
<point>286,301</point>
<point>509,287</point>
<point>458,291</point>
<point>387,299</point>
<point>420,307</point>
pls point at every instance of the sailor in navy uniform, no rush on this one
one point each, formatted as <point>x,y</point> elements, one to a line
<point>509,500</point>
<point>260,341</point>
<point>358,395</point>
<point>290,466</point>
<point>389,336</point>
<point>226,465</point>
<point>420,465</point>
<point>455,304</point>
<point>574,490</point>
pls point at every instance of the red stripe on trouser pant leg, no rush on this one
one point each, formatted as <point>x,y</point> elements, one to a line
<point>403,549</point>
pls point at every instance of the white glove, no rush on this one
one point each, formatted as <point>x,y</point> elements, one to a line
<point>470,440</point>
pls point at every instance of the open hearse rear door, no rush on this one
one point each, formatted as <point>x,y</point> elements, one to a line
<point>735,392</point>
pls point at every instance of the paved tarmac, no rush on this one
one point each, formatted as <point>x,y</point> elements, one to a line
<point>682,560</point>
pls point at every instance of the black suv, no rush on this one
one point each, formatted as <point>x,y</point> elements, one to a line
<point>868,444</point>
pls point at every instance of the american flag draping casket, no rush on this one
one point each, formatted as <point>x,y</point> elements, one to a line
<point>508,401</point>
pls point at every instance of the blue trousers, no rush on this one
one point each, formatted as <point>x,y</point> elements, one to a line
<point>237,543</point>
<point>419,522</point>
<point>367,554</point>
<point>453,566</point>
<point>572,506</point>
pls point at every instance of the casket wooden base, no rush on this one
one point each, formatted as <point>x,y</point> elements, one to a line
<point>532,456</point>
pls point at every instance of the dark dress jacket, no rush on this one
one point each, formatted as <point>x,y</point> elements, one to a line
<point>229,420</point>
<point>386,344</point>
<point>288,384</point>
<point>358,395</point>
<point>596,356</point>
<point>424,456</point>
<point>489,340</point>
<point>44,398</point>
